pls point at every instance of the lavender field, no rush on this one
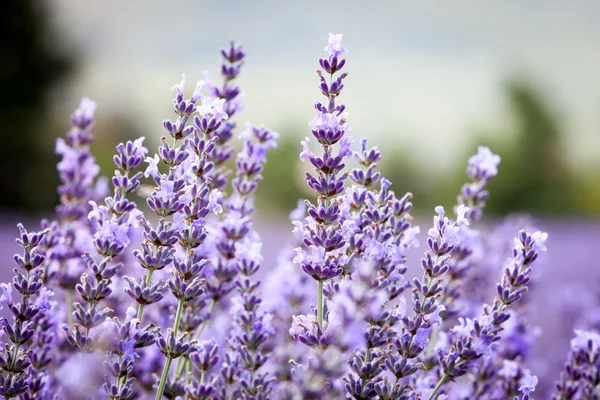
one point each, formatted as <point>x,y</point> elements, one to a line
<point>408,210</point>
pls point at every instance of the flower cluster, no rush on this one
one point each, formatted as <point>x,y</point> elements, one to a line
<point>168,299</point>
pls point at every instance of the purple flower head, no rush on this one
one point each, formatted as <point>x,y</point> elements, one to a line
<point>98,213</point>
<point>329,128</point>
<point>306,154</point>
<point>84,115</point>
<point>509,369</point>
<point>6,298</point>
<point>460,215</point>
<point>43,301</point>
<point>215,200</point>
<point>128,347</point>
<point>485,162</point>
<point>165,191</point>
<point>334,45</point>
<point>306,327</point>
<point>179,87</point>
<point>582,338</point>
<point>345,145</point>
<point>266,137</point>
<point>152,169</point>
<point>212,107</point>
<point>113,232</point>
<point>464,328</point>
<point>538,239</point>
<point>528,384</point>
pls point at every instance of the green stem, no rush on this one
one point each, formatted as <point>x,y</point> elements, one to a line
<point>437,388</point>
<point>165,373</point>
<point>178,316</point>
<point>14,361</point>
<point>367,357</point>
<point>163,379</point>
<point>141,307</point>
<point>320,304</point>
<point>181,364</point>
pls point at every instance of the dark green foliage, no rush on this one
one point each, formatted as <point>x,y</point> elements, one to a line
<point>533,175</point>
<point>32,63</point>
<point>283,180</point>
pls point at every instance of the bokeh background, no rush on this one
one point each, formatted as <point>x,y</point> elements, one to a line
<point>428,83</point>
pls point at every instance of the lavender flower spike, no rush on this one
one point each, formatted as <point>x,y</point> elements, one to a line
<point>323,236</point>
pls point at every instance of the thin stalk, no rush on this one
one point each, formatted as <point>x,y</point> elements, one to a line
<point>141,306</point>
<point>433,394</point>
<point>367,359</point>
<point>320,304</point>
<point>181,364</point>
<point>165,373</point>
<point>163,379</point>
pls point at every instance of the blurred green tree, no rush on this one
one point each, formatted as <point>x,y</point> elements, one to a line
<point>283,183</point>
<point>533,175</point>
<point>32,63</point>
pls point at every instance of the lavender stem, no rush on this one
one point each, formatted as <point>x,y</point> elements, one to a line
<point>165,373</point>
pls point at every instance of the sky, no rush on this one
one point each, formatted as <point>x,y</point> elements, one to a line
<point>424,74</point>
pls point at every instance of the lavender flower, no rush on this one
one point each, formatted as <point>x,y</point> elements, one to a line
<point>479,338</point>
<point>322,236</point>
<point>220,334</point>
<point>20,377</point>
<point>580,378</point>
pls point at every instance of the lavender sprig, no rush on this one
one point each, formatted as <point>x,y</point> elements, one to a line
<point>323,237</point>
<point>195,201</point>
<point>232,62</point>
<point>426,298</point>
<point>252,325</point>
<point>71,235</point>
<point>15,360</point>
<point>581,375</point>
<point>474,338</point>
<point>482,168</point>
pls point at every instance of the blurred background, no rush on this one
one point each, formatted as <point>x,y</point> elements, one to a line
<point>427,84</point>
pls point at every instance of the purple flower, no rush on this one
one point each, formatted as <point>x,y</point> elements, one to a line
<point>152,169</point>
<point>509,369</point>
<point>464,328</point>
<point>179,87</point>
<point>213,107</point>
<point>328,122</point>
<point>215,198</point>
<point>528,384</point>
<point>113,232</point>
<point>538,239</point>
<point>128,346</point>
<point>306,154</point>
<point>166,190</point>
<point>6,298</point>
<point>582,338</point>
<point>345,145</point>
<point>334,46</point>
<point>43,301</point>
<point>485,161</point>
<point>83,115</point>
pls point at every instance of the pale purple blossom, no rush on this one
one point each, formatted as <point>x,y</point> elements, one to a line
<point>528,384</point>
<point>485,161</point>
<point>583,337</point>
<point>152,169</point>
<point>334,45</point>
<point>215,200</point>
